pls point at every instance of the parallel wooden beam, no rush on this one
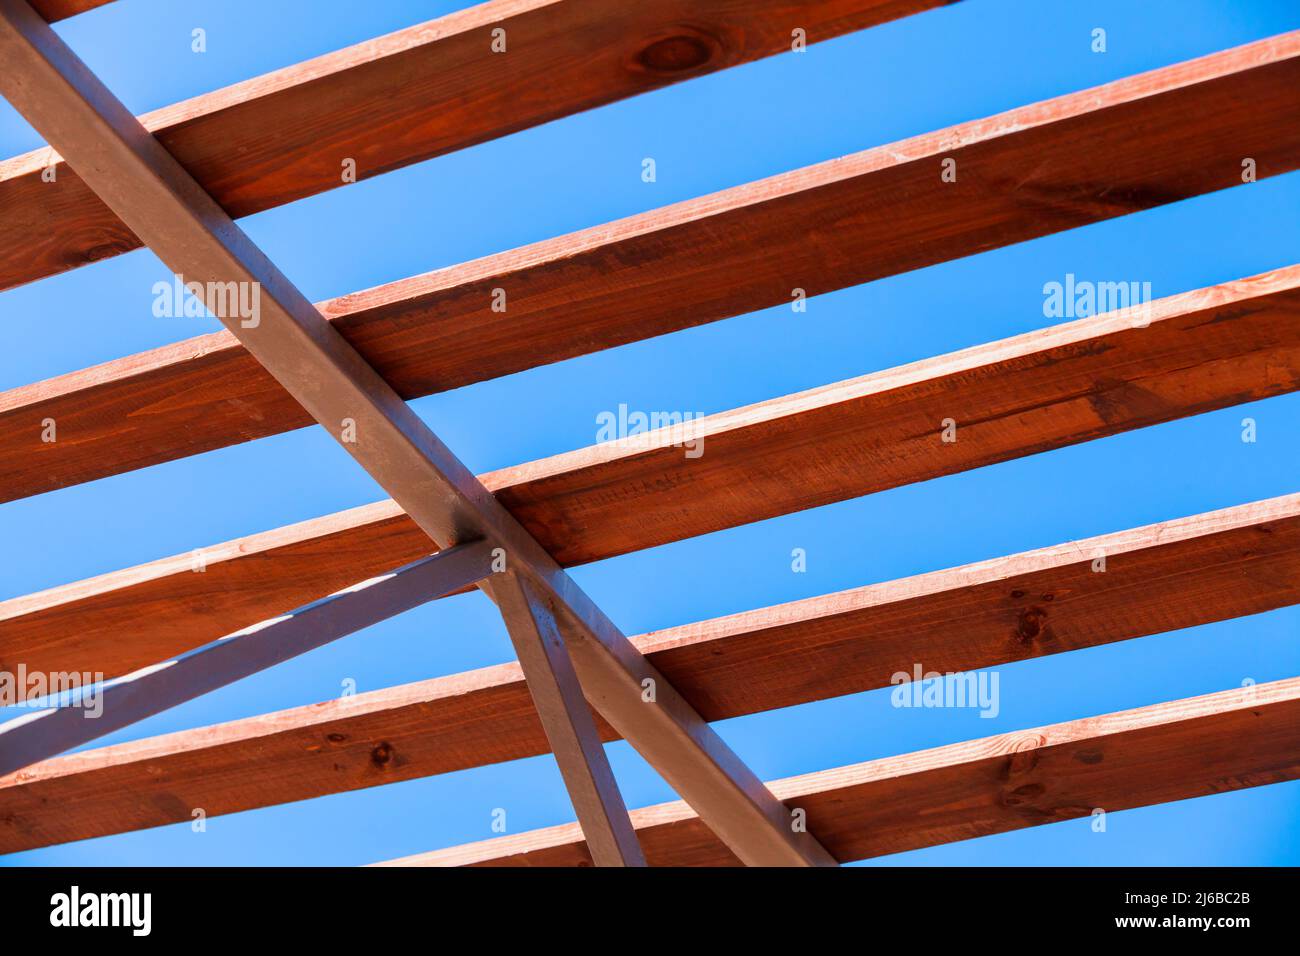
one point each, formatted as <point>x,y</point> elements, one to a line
<point>1202,350</point>
<point>570,730</point>
<point>1030,172</point>
<point>1200,746</point>
<point>168,209</point>
<point>1177,574</point>
<point>45,733</point>
<point>406,97</point>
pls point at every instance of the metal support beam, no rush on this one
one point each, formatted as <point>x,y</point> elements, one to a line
<point>565,717</point>
<point>46,733</point>
<point>149,190</point>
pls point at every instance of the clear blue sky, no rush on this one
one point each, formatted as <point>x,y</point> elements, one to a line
<point>920,74</point>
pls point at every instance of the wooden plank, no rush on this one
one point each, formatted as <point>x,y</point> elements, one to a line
<point>406,97</point>
<point>54,10</point>
<point>46,733</point>
<point>1030,172</point>
<point>168,209</point>
<point>1205,349</point>
<point>1216,743</point>
<point>1161,577</point>
<point>570,730</point>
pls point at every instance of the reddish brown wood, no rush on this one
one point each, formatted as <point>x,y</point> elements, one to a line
<point>1068,384</point>
<point>1033,171</point>
<point>1177,574</point>
<point>406,97</point>
<point>54,10</point>
<point>1178,750</point>
<point>568,722</point>
<point>167,208</point>
<point>155,689</point>
<point>1202,350</point>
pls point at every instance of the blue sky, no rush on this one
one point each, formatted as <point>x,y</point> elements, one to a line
<point>919,74</point>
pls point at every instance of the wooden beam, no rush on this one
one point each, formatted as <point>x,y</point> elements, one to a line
<point>406,97</point>
<point>1202,350</point>
<point>54,10</point>
<point>169,210</point>
<point>45,733</point>
<point>1200,746</point>
<point>1162,577</point>
<point>1030,172</point>
<point>570,730</point>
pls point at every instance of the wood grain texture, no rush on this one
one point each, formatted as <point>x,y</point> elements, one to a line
<point>48,733</point>
<point>570,727</point>
<point>1176,574</point>
<point>1205,349</point>
<point>1030,172</point>
<point>1196,747</point>
<point>406,97</point>
<point>135,175</point>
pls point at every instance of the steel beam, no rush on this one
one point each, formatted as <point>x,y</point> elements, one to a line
<point>149,190</point>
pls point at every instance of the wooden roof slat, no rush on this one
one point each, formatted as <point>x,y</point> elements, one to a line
<point>1057,386</point>
<point>168,209</point>
<point>1036,170</point>
<point>414,94</point>
<point>55,10</point>
<point>1162,577</point>
<point>1204,349</point>
<point>151,690</point>
<point>1200,746</point>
